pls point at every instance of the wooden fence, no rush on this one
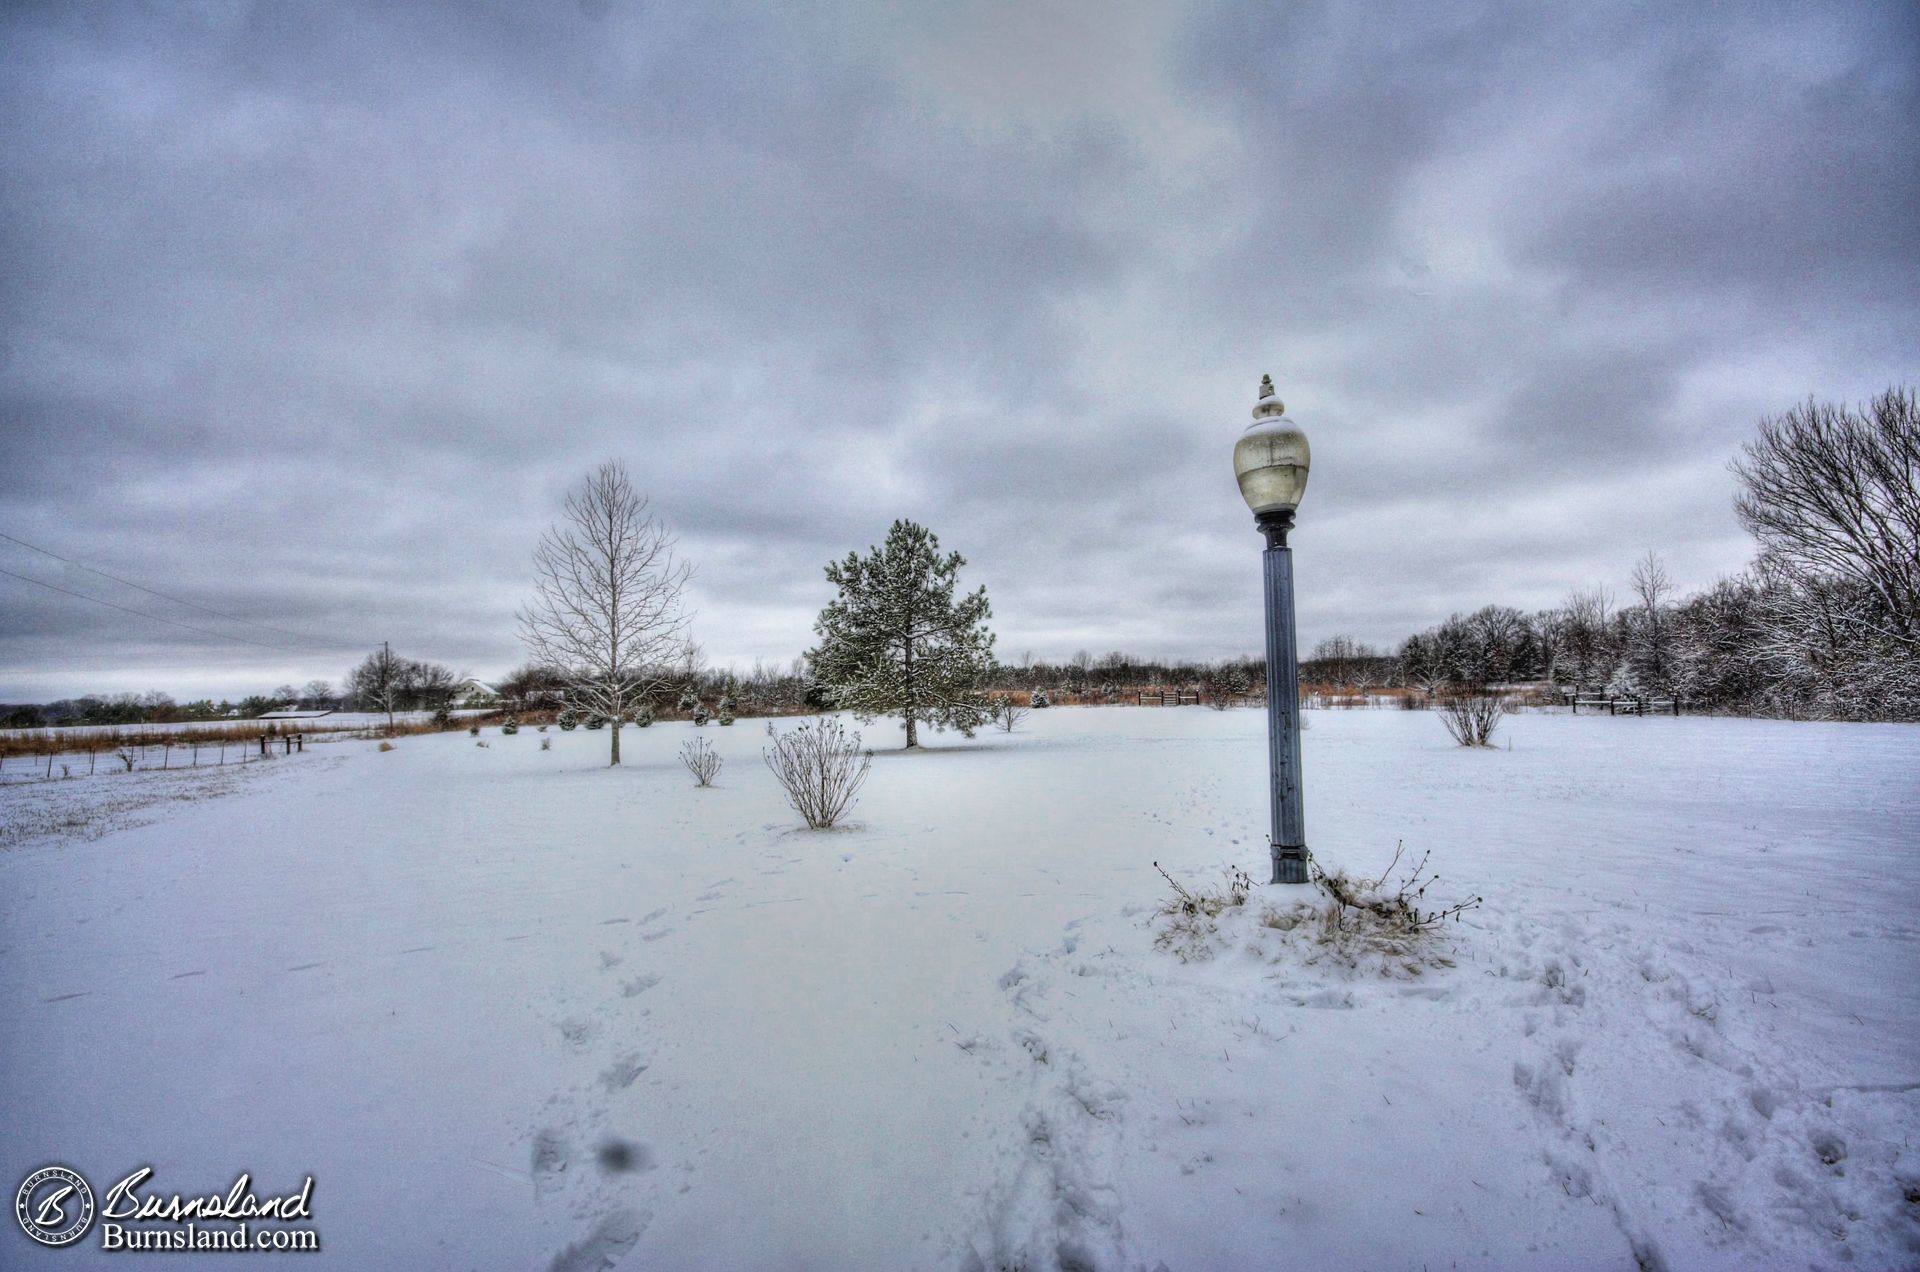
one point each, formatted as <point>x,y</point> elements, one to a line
<point>1640,705</point>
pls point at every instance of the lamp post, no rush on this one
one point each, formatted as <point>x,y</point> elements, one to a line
<point>1271,460</point>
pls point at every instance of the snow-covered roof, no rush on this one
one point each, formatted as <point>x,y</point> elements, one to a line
<point>291,714</point>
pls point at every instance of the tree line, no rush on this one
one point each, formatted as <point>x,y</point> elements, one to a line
<point>1824,623</point>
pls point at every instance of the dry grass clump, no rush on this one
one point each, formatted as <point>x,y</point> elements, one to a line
<point>1380,925</point>
<point>1191,915</point>
<point>1384,918</point>
<point>384,746</point>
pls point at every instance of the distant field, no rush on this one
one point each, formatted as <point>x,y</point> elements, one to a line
<point>338,720</point>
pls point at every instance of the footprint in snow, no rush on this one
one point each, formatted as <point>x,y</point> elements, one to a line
<point>622,1073</point>
<point>550,1158</point>
<point>606,1245</point>
<point>638,986</point>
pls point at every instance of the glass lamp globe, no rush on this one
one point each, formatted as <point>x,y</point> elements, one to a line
<point>1271,458</point>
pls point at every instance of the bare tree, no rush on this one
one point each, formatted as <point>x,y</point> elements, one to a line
<point>1653,624</point>
<point>1834,492</point>
<point>1550,630</point>
<point>429,685</point>
<point>1338,659</point>
<point>376,682</point>
<point>607,609</point>
<point>1588,651</point>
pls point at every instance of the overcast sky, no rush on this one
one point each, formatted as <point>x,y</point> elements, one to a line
<point>312,313</point>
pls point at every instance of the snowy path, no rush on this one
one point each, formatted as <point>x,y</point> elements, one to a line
<point>511,1009</point>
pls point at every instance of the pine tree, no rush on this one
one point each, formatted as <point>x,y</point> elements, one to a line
<point>896,642</point>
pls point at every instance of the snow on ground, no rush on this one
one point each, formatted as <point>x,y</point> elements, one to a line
<point>512,1009</point>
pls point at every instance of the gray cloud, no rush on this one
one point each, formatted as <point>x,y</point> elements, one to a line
<point>313,314</point>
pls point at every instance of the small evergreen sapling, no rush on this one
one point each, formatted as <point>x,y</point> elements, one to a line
<point>700,716</point>
<point>1039,699</point>
<point>643,717</point>
<point>568,720</point>
<point>510,726</point>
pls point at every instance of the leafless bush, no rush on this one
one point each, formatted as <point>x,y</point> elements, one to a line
<point>821,767</point>
<point>701,760</point>
<point>1008,714</point>
<point>1190,913</point>
<point>1471,717</point>
<point>1388,905</point>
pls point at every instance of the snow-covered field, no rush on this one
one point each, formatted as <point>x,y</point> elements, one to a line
<point>512,1009</point>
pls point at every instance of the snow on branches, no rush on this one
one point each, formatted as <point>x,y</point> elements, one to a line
<point>895,641</point>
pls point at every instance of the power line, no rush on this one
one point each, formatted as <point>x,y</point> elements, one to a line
<point>139,613</point>
<point>151,592</point>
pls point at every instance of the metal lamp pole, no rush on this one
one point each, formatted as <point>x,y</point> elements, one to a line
<point>1271,461</point>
